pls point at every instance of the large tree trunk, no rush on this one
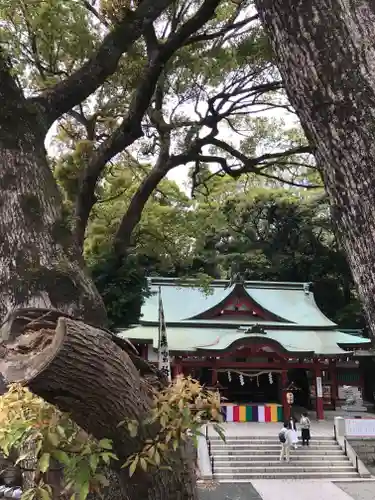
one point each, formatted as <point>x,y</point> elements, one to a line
<point>40,267</point>
<point>326,54</point>
<point>88,372</point>
<point>39,263</point>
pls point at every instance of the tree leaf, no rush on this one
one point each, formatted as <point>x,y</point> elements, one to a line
<point>143,464</point>
<point>84,491</point>
<point>43,462</point>
<point>220,431</point>
<point>133,466</point>
<point>44,494</point>
<point>133,429</point>
<point>29,494</point>
<point>62,457</point>
<point>106,444</point>
<point>53,438</point>
<point>94,461</point>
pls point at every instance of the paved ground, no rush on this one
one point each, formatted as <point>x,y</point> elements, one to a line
<point>306,490</point>
<point>229,492</point>
<point>289,490</point>
<point>359,491</point>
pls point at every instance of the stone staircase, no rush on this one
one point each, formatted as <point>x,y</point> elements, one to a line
<point>248,458</point>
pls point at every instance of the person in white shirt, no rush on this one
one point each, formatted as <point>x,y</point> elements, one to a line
<point>305,428</point>
<point>293,428</point>
<point>286,440</point>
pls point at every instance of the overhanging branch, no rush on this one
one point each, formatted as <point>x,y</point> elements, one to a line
<point>250,164</point>
<point>19,124</point>
<point>130,129</point>
<point>66,94</point>
<point>140,198</point>
<point>207,36</point>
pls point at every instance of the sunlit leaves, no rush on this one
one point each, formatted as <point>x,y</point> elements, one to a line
<point>45,438</point>
<point>179,412</point>
<point>46,39</point>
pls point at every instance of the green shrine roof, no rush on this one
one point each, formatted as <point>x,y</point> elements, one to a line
<point>294,321</point>
<point>182,302</point>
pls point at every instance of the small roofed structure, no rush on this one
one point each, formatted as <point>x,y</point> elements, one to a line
<point>252,339</point>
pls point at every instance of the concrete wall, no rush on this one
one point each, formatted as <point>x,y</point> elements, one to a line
<point>358,450</point>
<point>365,449</point>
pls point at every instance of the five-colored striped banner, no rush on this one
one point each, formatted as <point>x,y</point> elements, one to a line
<point>252,413</point>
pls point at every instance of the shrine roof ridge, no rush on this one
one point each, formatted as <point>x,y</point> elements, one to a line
<point>189,299</point>
<point>226,283</point>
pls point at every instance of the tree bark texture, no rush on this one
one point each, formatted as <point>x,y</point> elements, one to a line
<point>40,265</point>
<point>325,52</point>
<point>84,370</point>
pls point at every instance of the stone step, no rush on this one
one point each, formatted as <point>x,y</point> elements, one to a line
<point>275,458</point>
<point>282,467</point>
<point>234,477</point>
<point>250,459</point>
<point>275,439</point>
<point>276,461</point>
<point>263,438</point>
<point>274,446</point>
<point>275,451</point>
<point>237,442</point>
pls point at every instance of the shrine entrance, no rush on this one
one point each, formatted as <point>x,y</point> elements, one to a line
<point>299,377</point>
<point>253,387</point>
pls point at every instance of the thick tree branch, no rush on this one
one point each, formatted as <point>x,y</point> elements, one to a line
<point>140,198</point>
<point>258,170</point>
<point>19,123</point>
<point>289,182</point>
<point>66,94</point>
<point>9,89</point>
<point>249,164</point>
<point>165,163</point>
<point>206,36</point>
<point>130,129</point>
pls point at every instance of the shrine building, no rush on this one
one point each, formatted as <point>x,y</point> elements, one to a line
<point>256,342</point>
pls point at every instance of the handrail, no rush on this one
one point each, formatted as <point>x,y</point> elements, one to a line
<point>208,441</point>
<point>355,461</point>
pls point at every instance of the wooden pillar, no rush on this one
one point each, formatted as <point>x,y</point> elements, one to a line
<point>177,368</point>
<point>333,377</point>
<point>284,383</point>
<point>144,351</point>
<point>213,376</point>
<point>319,392</point>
